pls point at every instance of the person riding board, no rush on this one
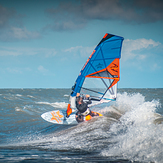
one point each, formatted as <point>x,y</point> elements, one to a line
<point>84,113</point>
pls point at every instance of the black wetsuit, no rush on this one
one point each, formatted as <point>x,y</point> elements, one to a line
<point>83,106</point>
<point>81,109</point>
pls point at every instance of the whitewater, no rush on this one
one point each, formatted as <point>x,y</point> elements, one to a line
<point>130,130</point>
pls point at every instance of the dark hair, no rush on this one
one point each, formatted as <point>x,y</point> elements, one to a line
<point>79,98</point>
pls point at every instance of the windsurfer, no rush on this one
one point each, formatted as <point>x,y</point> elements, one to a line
<point>84,113</point>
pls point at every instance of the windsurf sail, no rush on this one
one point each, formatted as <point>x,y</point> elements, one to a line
<point>101,72</point>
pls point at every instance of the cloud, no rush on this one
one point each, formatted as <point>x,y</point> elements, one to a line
<point>131,48</point>
<point>14,70</point>
<point>10,51</point>
<point>155,66</point>
<point>134,10</point>
<point>6,15</point>
<point>79,50</point>
<point>16,33</point>
<point>11,26</point>
<point>144,55</point>
<point>42,69</point>
<point>71,15</point>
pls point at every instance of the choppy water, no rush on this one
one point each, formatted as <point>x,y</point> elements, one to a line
<point>131,129</point>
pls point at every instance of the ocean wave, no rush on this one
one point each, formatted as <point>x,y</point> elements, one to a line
<point>18,95</point>
<point>131,129</point>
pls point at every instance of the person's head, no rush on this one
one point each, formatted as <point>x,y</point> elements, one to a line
<point>79,100</point>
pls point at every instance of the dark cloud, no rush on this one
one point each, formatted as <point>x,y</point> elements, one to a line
<point>76,14</point>
<point>9,17</point>
<point>5,16</point>
<point>132,11</point>
<point>66,16</point>
<point>12,28</point>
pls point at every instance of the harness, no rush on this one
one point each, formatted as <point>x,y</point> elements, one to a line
<point>86,112</point>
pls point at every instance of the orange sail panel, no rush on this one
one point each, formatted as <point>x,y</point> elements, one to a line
<point>113,68</point>
<point>110,72</point>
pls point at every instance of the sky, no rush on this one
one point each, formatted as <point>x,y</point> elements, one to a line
<point>45,43</point>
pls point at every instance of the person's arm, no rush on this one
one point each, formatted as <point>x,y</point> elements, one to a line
<point>89,101</point>
<point>92,98</point>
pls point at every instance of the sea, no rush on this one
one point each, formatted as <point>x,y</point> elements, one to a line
<point>130,130</point>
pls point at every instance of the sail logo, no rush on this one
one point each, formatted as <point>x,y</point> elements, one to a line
<point>99,65</point>
<point>114,67</point>
<point>56,116</point>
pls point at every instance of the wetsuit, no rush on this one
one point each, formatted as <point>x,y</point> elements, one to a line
<point>82,108</point>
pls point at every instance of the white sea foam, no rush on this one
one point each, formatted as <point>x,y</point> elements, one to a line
<point>66,95</point>
<point>30,96</point>
<point>18,95</point>
<point>137,137</point>
<point>61,105</point>
<point>18,109</point>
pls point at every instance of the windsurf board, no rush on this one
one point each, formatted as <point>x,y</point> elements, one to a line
<point>59,117</point>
